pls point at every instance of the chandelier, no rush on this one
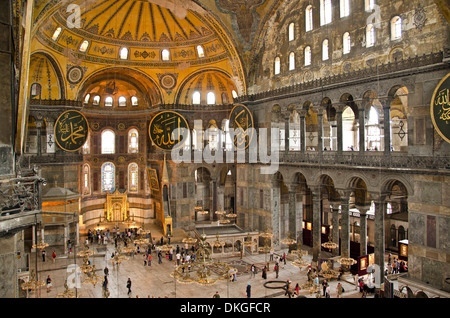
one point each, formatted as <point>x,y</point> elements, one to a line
<point>40,245</point>
<point>299,262</point>
<point>218,243</point>
<point>32,283</point>
<point>266,236</point>
<point>204,270</point>
<point>67,292</point>
<point>142,240</point>
<point>248,241</point>
<point>118,257</point>
<point>92,277</point>
<point>346,261</point>
<point>330,244</point>
<point>231,214</point>
<point>288,240</point>
<point>326,270</point>
<point>189,240</point>
<point>86,267</point>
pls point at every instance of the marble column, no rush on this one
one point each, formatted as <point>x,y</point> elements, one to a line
<point>362,230</point>
<point>380,210</point>
<point>362,130</point>
<point>339,129</point>
<point>292,211</point>
<point>335,222</point>
<point>316,224</point>
<point>39,136</point>
<point>276,199</point>
<point>345,225</point>
<point>302,131</point>
<point>319,131</point>
<point>286,134</point>
<point>66,238</point>
<point>387,125</point>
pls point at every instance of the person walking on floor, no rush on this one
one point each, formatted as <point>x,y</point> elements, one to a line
<point>43,255</point>
<point>129,286</point>
<point>54,256</point>
<point>339,290</point>
<point>249,290</point>
<point>49,283</point>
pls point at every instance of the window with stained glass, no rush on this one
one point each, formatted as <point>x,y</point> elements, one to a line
<point>108,177</point>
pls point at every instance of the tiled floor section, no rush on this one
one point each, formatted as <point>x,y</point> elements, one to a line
<point>155,280</point>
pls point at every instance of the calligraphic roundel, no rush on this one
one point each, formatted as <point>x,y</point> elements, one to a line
<point>71,130</point>
<point>168,130</point>
<point>241,120</point>
<point>440,108</point>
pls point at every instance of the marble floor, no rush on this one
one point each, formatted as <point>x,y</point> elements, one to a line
<point>155,281</point>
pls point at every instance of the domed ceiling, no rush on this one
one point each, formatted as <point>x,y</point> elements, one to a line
<point>144,27</point>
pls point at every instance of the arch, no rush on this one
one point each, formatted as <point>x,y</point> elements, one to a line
<point>200,81</point>
<point>146,88</point>
<point>108,141</point>
<point>55,67</point>
<point>359,187</point>
<point>133,140</point>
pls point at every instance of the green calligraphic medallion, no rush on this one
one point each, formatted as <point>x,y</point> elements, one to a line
<point>71,130</point>
<point>440,108</point>
<point>168,130</point>
<point>241,120</point>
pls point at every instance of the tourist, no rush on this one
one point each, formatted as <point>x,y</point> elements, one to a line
<point>129,286</point>
<point>49,283</point>
<point>249,290</point>
<point>339,290</point>
<point>54,256</point>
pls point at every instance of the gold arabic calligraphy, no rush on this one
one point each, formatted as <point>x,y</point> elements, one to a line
<point>443,100</point>
<point>163,128</point>
<point>71,130</point>
<point>242,122</point>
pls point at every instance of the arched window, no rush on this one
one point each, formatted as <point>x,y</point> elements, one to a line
<point>369,5</point>
<point>108,177</point>
<point>194,139</point>
<point>325,12</point>
<point>84,46</point>
<point>277,65</point>
<point>373,131</point>
<point>307,55</point>
<point>133,141</point>
<point>133,175</point>
<point>233,92</point>
<point>227,135</point>
<point>291,31</point>
<point>36,90</point>
<point>56,33</point>
<point>291,61</point>
<point>86,179</point>
<point>213,138</point>
<point>309,18</point>
<point>123,53</point>
<point>122,101</point>
<point>346,43</point>
<point>200,51</point>
<point>96,100</point>
<point>165,55</point>
<point>108,101</point>
<point>345,8</point>
<point>134,101</point>
<point>325,50</point>
<point>196,98</point>
<point>210,98</point>
<point>108,142</point>
<point>86,147</point>
<point>370,35</point>
<point>396,28</point>
<point>86,98</point>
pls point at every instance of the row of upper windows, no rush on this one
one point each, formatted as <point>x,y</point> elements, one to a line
<point>108,177</point>
<point>326,14</point>
<point>211,98</point>
<point>108,142</point>
<point>396,33</point>
<point>109,101</point>
<point>123,52</point>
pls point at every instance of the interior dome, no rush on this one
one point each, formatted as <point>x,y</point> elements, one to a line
<point>145,28</point>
